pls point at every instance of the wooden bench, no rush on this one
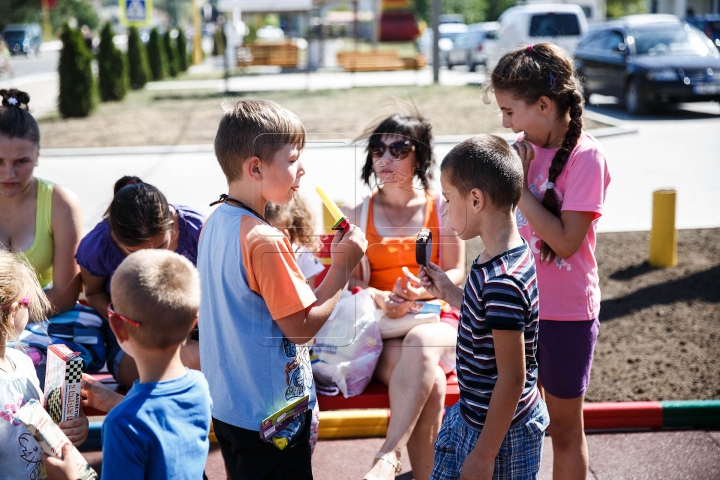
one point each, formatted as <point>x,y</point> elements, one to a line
<point>268,54</point>
<point>378,61</point>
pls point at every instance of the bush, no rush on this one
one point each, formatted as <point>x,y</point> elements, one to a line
<point>182,53</point>
<point>219,41</point>
<point>156,56</point>
<point>170,55</point>
<point>77,85</point>
<point>138,67</point>
<point>112,68</point>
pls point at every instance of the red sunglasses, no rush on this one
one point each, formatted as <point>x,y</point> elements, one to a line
<point>398,150</point>
<point>113,313</point>
<point>25,302</point>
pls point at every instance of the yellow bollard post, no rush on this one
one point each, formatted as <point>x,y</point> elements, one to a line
<point>663,235</point>
<point>197,37</point>
<point>47,28</point>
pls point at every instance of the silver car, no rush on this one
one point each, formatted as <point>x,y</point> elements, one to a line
<point>469,48</point>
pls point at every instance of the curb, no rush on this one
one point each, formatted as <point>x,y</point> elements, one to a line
<point>601,416</point>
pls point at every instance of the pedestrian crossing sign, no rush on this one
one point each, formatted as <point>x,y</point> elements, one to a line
<point>136,13</point>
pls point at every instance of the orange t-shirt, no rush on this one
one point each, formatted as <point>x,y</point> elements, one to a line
<point>387,255</point>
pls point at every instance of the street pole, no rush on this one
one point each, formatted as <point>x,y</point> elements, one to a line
<point>197,38</point>
<point>47,28</point>
<point>436,38</point>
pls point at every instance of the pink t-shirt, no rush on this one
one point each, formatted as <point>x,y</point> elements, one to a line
<point>569,287</point>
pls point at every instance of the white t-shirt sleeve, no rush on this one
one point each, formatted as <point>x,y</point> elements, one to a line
<point>307,261</point>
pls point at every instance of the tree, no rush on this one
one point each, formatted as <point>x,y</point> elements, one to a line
<point>170,55</point>
<point>182,54</point>
<point>495,8</point>
<point>156,56</point>
<point>138,67</point>
<point>619,8</point>
<point>473,10</point>
<point>81,10</point>
<point>77,85</point>
<point>112,68</point>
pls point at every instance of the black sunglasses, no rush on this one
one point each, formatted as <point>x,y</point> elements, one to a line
<point>398,150</point>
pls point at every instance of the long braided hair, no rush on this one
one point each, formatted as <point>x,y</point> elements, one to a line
<point>544,70</point>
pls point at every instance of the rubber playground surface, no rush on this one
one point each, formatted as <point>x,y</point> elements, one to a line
<point>651,455</point>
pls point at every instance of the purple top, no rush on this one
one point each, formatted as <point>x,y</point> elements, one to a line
<point>100,256</point>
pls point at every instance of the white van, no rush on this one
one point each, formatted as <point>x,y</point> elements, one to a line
<point>558,23</point>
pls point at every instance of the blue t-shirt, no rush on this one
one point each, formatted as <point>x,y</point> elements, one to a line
<point>100,255</point>
<point>159,430</point>
<point>249,278</point>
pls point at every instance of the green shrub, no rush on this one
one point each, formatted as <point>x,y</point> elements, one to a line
<point>219,41</point>
<point>77,86</point>
<point>170,55</point>
<point>138,67</point>
<point>156,56</point>
<point>182,53</point>
<point>112,68</point>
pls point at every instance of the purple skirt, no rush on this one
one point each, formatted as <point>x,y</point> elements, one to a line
<point>565,354</point>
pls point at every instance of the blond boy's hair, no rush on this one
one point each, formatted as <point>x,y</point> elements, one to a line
<point>18,280</point>
<point>160,290</point>
<point>254,128</point>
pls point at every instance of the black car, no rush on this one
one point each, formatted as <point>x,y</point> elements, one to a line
<point>709,24</point>
<point>646,60</point>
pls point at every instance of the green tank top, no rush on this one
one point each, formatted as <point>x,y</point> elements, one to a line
<point>40,254</point>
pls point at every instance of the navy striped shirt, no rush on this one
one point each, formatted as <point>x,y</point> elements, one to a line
<point>500,294</point>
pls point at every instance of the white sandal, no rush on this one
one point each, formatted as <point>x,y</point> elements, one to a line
<point>389,468</point>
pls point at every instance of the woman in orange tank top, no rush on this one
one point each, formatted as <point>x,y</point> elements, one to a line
<point>399,167</point>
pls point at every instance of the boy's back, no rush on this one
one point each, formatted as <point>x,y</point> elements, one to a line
<point>500,294</point>
<point>248,270</point>
<point>159,430</point>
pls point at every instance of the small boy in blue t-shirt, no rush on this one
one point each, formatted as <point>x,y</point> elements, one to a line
<point>257,310</point>
<point>497,428</point>
<point>160,428</point>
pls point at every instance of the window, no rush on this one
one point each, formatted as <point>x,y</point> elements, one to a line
<point>611,42</point>
<point>554,25</point>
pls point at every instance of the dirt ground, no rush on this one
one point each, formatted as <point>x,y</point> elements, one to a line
<point>659,337</point>
<point>192,117</point>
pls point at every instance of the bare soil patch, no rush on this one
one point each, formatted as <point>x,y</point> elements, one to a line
<point>659,335</point>
<point>192,117</point>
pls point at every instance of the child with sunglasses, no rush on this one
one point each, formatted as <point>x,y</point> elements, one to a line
<point>160,428</point>
<point>399,166</point>
<point>22,300</point>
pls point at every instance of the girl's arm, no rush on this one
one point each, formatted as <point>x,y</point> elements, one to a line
<point>510,360</point>
<point>95,293</point>
<point>564,234</point>
<point>67,230</point>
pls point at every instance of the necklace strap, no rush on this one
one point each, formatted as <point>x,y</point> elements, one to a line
<point>224,198</point>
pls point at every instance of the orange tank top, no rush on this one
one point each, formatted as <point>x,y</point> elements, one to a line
<point>387,255</point>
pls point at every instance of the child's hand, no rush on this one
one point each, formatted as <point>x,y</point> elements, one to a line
<point>477,467</point>
<point>435,281</point>
<point>348,247</point>
<point>527,154</point>
<point>97,395</point>
<point>76,429</point>
<point>60,469</point>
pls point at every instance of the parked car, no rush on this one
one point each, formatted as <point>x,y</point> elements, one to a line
<point>708,24</point>
<point>646,60</point>
<point>559,23</point>
<point>469,47</point>
<point>23,38</point>
<point>449,32</point>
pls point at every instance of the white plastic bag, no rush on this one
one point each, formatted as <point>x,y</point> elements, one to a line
<point>348,346</point>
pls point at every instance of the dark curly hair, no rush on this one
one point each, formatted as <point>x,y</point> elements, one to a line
<point>416,129</point>
<point>544,70</point>
<point>16,121</point>
<point>138,212</point>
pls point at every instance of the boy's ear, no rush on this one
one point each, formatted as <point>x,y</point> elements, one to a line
<point>253,168</point>
<point>477,200</point>
<point>119,329</point>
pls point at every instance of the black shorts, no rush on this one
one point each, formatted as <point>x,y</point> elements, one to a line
<point>247,456</point>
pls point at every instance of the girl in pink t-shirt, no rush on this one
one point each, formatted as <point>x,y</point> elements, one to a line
<point>538,92</point>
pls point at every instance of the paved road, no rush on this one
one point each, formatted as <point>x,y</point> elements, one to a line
<point>45,62</point>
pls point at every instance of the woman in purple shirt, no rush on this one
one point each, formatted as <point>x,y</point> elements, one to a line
<point>139,217</point>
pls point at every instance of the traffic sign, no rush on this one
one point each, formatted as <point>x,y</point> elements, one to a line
<point>136,13</point>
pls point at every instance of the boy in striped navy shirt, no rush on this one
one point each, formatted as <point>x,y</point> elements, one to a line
<point>497,429</point>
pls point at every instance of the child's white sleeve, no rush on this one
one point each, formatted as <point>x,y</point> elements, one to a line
<point>308,262</point>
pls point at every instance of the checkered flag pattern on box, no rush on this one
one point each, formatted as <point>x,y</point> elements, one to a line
<point>63,378</point>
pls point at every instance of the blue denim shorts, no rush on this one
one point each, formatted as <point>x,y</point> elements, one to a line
<point>519,455</point>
